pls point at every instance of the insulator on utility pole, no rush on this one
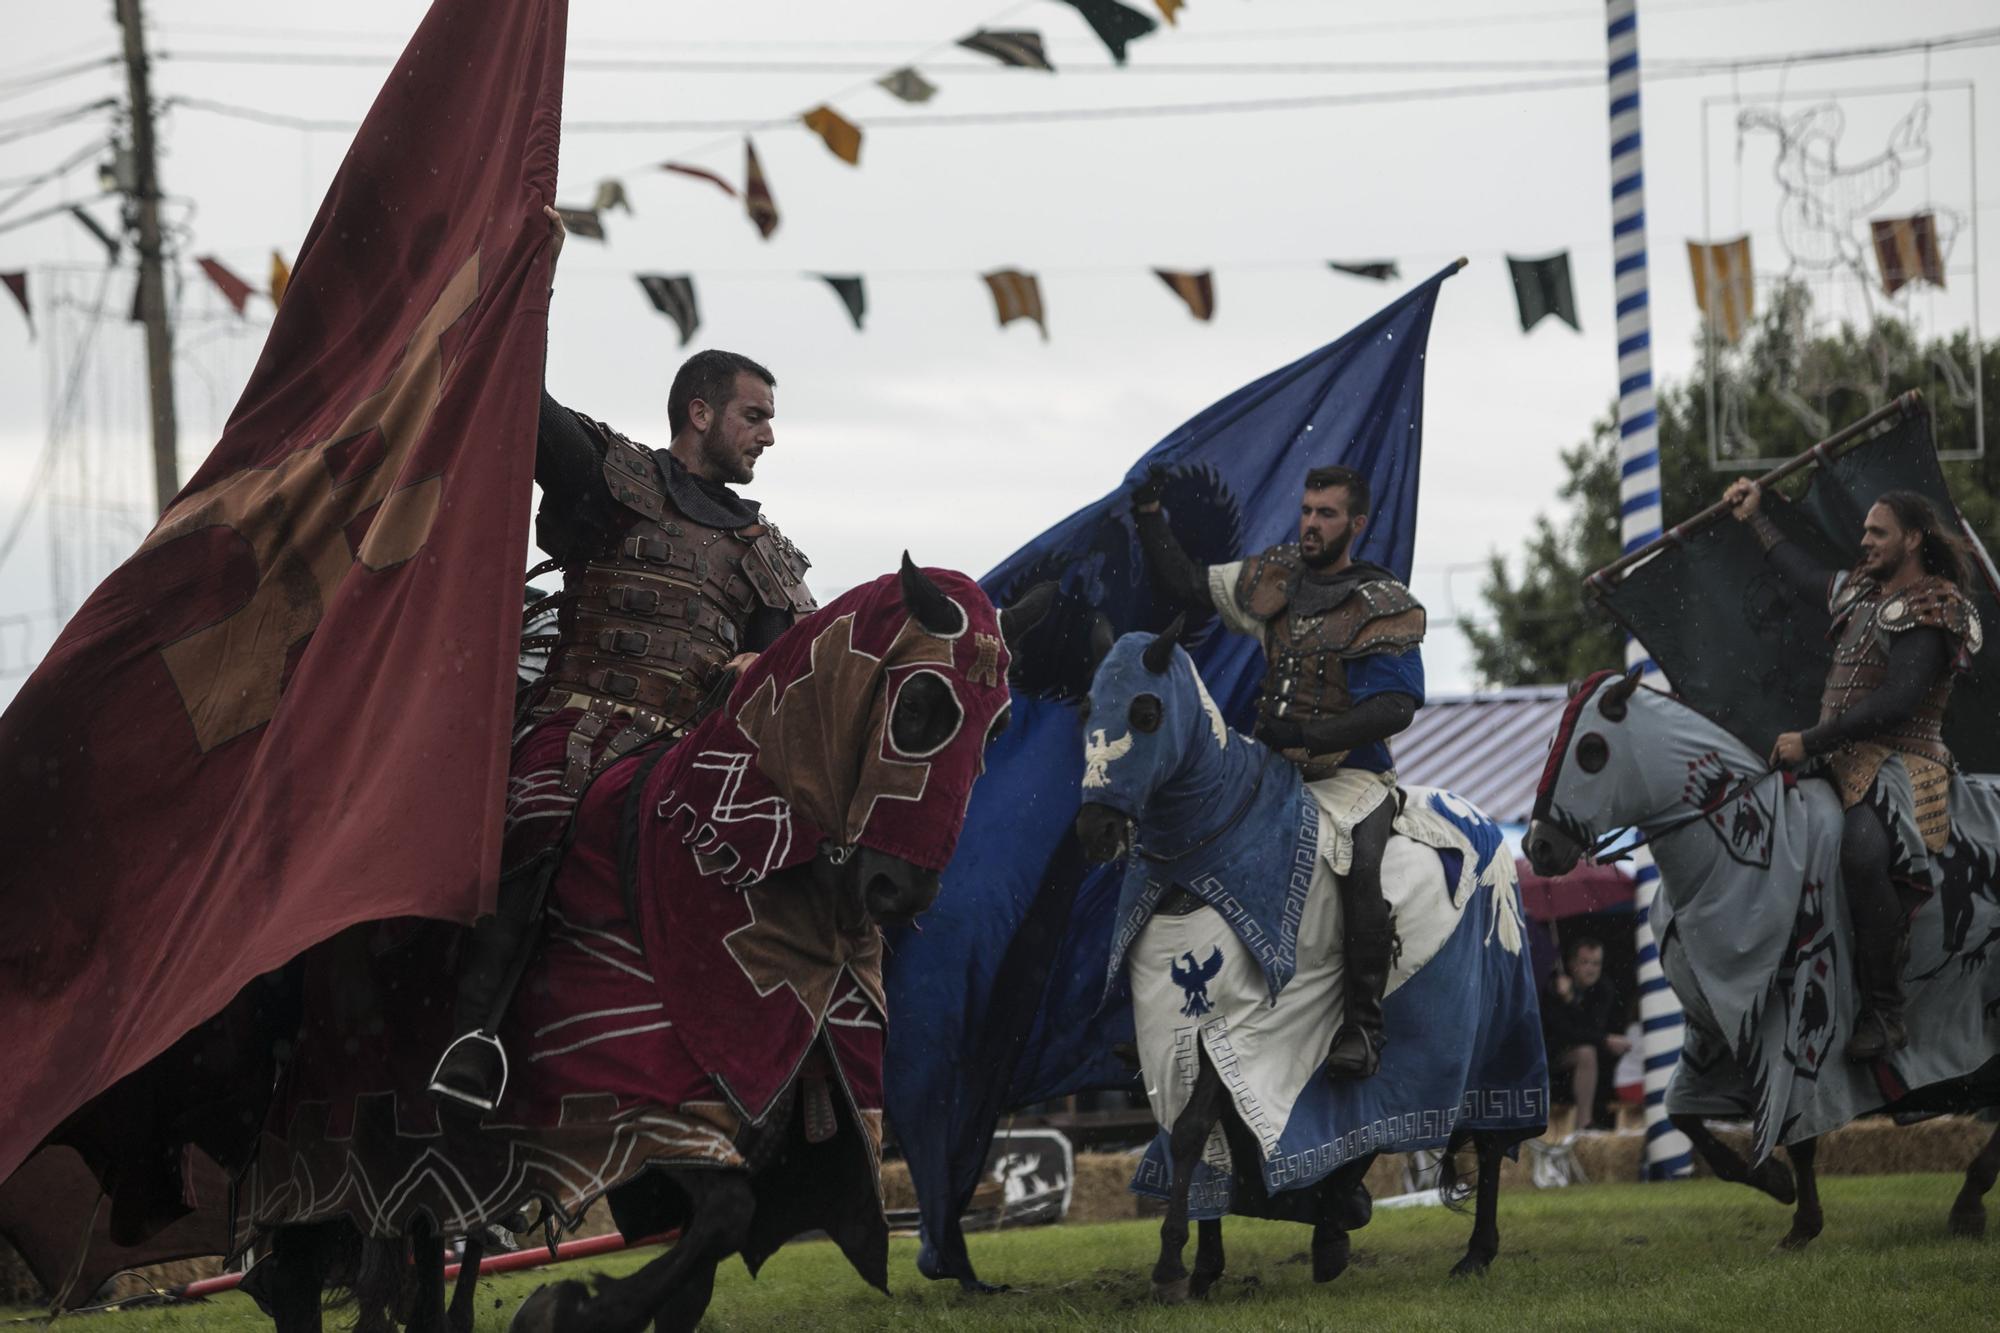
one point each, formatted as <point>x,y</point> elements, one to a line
<point>144,205</point>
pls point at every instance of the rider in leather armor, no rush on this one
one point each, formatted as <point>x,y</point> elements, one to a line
<point>1902,629</point>
<point>1342,675</point>
<point>671,582</point>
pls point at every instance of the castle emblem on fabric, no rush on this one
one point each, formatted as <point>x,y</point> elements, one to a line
<point>1193,981</point>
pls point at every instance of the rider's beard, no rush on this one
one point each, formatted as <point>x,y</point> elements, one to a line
<point>1330,553</point>
<point>717,461</point>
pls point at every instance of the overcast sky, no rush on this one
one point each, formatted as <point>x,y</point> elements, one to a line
<point>934,429</point>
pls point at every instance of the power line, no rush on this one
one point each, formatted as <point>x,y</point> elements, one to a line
<point>42,123</point>
<point>33,183</point>
<point>11,88</point>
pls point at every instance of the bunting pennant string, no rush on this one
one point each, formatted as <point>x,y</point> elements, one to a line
<point>281,278</point>
<point>1115,24</point>
<point>851,293</point>
<point>1197,289</point>
<point>610,195</point>
<point>584,222</point>
<point>757,200</point>
<point>1542,288</point>
<point>1725,288</point>
<point>1907,251</point>
<point>17,283</point>
<point>907,85</point>
<point>701,173</point>
<point>1017,295</point>
<point>842,136</point>
<point>1014,46</point>
<point>673,296</point>
<point>1380,270</point>
<point>234,289</point>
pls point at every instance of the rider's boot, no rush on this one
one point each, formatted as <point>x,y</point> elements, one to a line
<point>473,1070</point>
<point>1368,941</point>
<point>1878,966</point>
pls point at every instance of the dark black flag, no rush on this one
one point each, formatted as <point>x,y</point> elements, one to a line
<point>1541,288</point>
<point>1738,645</point>
<point>673,296</point>
<point>1114,24</point>
<point>852,295</point>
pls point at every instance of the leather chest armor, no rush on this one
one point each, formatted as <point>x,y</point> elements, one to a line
<point>650,621</point>
<point>1312,633</point>
<point>1865,622</point>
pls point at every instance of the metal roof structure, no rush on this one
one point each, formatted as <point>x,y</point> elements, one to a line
<point>1488,748</point>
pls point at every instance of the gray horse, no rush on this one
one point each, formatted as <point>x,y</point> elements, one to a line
<point>1754,935</point>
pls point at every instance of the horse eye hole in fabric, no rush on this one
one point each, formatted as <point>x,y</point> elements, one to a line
<point>1593,752</point>
<point>1145,713</point>
<point>1001,721</point>
<point>927,715</point>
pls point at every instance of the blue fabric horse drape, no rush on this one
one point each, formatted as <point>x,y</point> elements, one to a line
<point>996,1000</point>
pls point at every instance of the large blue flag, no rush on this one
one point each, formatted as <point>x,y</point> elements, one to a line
<point>997,999</point>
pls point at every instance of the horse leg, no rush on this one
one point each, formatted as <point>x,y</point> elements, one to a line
<point>292,1295</point>
<point>423,1308</point>
<point>1807,1221</point>
<point>1484,1246</point>
<point>1331,1250</point>
<point>1208,1258</point>
<point>1769,1176</point>
<point>459,1318</point>
<point>1968,1211</point>
<point>1185,1142</point>
<point>674,1286</point>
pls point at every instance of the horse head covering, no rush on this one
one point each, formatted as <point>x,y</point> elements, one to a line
<point>871,718</point>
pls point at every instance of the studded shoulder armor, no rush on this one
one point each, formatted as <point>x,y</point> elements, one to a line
<point>1934,603</point>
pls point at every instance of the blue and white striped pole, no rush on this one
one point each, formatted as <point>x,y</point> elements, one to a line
<point>1667,1149</point>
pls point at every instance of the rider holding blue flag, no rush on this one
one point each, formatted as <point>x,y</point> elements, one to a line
<point>1342,675</point>
<point>1903,629</point>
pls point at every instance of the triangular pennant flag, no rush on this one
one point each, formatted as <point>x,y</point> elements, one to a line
<point>1169,8</point>
<point>105,238</point>
<point>233,289</point>
<point>673,296</point>
<point>1381,270</point>
<point>1115,24</point>
<point>17,283</point>
<point>281,278</point>
<point>757,200</point>
<point>701,174</point>
<point>1907,251</point>
<point>1725,289</point>
<point>907,84</point>
<point>584,222</point>
<point>1017,295</point>
<point>1015,46</point>
<point>1197,289</point>
<point>610,195</point>
<point>1541,288</point>
<point>842,135</point>
<point>851,295</point>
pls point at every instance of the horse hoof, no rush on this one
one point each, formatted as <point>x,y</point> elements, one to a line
<point>1171,1293</point>
<point>1775,1179</point>
<point>1969,1222</point>
<point>973,1286</point>
<point>549,1309</point>
<point>1470,1266</point>
<point>1330,1259</point>
<point>1201,1284</point>
<point>1797,1238</point>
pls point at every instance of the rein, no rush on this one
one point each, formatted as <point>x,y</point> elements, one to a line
<point>1162,858</point>
<point>1597,849</point>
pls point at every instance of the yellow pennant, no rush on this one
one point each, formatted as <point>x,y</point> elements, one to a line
<point>843,136</point>
<point>281,278</point>
<point>1725,288</point>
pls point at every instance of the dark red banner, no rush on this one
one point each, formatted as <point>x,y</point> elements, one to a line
<point>288,712</point>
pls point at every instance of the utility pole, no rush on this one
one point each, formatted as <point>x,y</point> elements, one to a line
<point>143,209</point>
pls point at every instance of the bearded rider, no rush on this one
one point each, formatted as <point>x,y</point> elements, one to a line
<point>672,582</point>
<point>1342,675</point>
<point>1903,628</point>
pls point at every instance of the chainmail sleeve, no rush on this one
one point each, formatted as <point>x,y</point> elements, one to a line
<point>1376,718</point>
<point>577,509</point>
<point>1178,577</point>
<point>1917,658</point>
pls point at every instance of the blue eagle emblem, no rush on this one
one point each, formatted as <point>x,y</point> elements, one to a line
<point>1194,979</point>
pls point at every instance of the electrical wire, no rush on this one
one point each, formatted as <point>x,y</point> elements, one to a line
<point>45,465</point>
<point>43,122</point>
<point>33,183</point>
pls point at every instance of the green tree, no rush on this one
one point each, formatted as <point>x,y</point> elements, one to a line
<point>1784,388</point>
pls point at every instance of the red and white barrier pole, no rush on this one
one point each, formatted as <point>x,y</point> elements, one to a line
<point>506,1262</point>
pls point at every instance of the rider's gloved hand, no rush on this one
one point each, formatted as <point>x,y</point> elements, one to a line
<point>1282,733</point>
<point>1146,494</point>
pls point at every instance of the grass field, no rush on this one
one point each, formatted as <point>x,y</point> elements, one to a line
<point>1624,1257</point>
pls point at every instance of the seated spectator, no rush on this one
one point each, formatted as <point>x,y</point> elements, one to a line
<point>1579,1015</point>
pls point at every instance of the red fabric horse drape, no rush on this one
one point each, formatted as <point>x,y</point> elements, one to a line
<point>288,711</point>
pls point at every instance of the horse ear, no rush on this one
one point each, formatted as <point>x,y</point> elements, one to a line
<point>935,611</point>
<point>1159,653</point>
<point>1026,612</point>
<point>1101,639</point>
<point>1613,702</point>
